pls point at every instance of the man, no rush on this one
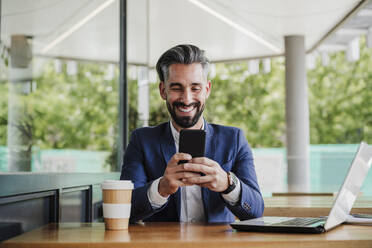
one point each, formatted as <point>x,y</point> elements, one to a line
<point>213,188</point>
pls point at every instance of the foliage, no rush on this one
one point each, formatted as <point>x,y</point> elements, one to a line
<point>3,112</point>
<point>75,111</point>
<point>70,111</point>
<point>340,100</point>
<point>4,54</point>
<point>81,111</point>
<point>158,109</point>
<point>255,103</point>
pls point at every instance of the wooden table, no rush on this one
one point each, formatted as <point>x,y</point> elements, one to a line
<point>310,206</point>
<point>183,235</point>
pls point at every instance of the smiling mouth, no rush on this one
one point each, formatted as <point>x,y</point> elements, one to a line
<point>184,115</point>
<point>185,109</point>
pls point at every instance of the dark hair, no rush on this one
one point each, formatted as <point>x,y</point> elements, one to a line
<point>181,54</point>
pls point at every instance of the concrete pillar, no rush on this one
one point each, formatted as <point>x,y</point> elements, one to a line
<point>19,122</point>
<point>266,64</point>
<point>369,37</point>
<point>297,114</point>
<point>143,96</point>
<point>353,50</point>
<point>254,66</point>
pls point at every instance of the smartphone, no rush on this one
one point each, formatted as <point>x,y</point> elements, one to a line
<point>192,142</point>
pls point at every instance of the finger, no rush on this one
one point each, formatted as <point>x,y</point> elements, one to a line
<point>177,157</point>
<point>179,168</point>
<point>186,184</point>
<point>204,160</point>
<point>182,175</point>
<point>177,180</point>
<point>211,186</point>
<point>186,175</point>
<point>205,185</point>
<point>180,183</point>
<point>198,168</point>
<point>198,180</point>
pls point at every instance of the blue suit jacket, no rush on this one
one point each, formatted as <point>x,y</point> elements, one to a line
<point>151,148</point>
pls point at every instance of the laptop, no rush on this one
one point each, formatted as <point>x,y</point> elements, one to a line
<point>340,210</point>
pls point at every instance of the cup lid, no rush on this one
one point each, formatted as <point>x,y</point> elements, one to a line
<point>117,184</point>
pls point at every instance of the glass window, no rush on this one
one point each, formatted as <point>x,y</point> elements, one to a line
<point>59,85</point>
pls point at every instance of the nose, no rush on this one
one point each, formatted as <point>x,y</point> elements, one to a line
<point>187,97</point>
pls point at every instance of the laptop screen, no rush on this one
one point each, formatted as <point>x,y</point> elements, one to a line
<point>351,186</point>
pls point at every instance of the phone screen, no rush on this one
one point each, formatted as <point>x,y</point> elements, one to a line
<point>192,142</point>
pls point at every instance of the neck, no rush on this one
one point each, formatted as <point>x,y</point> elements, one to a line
<point>198,125</point>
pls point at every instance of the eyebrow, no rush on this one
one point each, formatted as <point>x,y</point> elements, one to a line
<point>175,84</point>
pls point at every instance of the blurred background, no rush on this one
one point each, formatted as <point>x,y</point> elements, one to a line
<point>62,113</point>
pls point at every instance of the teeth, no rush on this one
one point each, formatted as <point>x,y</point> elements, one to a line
<point>186,110</point>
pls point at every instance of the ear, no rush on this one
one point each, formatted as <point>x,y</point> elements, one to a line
<point>209,88</point>
<point>162,90</point>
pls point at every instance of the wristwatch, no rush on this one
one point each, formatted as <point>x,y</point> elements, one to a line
<point>232,182</point>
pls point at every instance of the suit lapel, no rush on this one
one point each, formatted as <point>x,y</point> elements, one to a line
<point>210,145</point>
<point>168,147</point>
<point>210,148</point>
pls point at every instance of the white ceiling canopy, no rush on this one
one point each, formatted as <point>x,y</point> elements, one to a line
<point>359,24</point>
<point>227,30</point>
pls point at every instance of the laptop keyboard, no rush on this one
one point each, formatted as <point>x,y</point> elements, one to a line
<point>299,222</point>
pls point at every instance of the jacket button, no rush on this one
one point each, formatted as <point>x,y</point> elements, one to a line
<point>246,206</point>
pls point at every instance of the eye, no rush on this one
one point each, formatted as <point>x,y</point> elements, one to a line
<point>176,88</point>
<point>196,88</point>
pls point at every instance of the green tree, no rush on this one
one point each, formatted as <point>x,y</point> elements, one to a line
<point>158,109</point>
<point>3,112</point>
<point>340,99</point>
<point>77,111</point>
<point>81,111</point>
<point>255,103</point>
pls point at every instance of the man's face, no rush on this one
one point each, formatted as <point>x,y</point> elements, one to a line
<point>185,92</point>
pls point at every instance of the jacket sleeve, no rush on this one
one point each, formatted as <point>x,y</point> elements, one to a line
<point>251,204</point>
<point>133,169</point>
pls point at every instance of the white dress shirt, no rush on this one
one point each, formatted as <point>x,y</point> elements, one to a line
<point>192,208</point>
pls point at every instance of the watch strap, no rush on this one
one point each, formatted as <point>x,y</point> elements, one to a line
<point>231,183</point>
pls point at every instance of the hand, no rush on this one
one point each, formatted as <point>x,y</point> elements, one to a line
<point>215,177</point>
<point>174,175</point>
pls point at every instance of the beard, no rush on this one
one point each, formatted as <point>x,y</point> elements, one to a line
<point>185,121</point>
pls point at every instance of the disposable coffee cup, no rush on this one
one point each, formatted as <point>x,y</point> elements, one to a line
<point>116,195</point>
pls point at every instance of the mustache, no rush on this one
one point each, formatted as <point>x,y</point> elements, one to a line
<point>181,104</point>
